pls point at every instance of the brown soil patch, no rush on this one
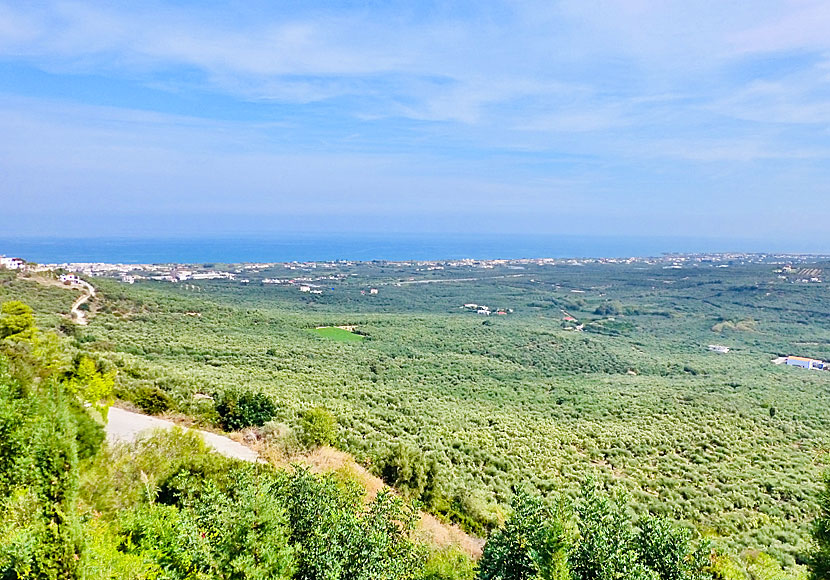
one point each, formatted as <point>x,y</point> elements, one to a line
<point>428,529</point>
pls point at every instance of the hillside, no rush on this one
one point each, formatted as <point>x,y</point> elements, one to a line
<point>730,445</point>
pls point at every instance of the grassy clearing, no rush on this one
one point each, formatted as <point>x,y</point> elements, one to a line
<point>338,334</point>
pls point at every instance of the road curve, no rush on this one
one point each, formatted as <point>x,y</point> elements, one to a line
<point>126,426</point>
<point>78,315</point>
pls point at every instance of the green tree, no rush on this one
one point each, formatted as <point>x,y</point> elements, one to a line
<point>317,427</point>
<point>667,550</point>
<point>337,538</point>
<point>39,477</point>
<point>610,547</point>
<point>605,549</point>
<point>16,320</point>
<point>240,409</point>
<point>92,385</point>
<point>249,531</point>
<point>531,545</point>
<point>413,474</point>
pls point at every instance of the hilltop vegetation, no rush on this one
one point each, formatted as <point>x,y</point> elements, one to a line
<point>460,410</point>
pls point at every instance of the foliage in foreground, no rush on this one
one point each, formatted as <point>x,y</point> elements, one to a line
<point>165,507</point>
<point>820,558</point>
<point>517,400</point>
<point>600,543</point>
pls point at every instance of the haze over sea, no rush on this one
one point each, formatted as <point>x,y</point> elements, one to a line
<point>317,247</point>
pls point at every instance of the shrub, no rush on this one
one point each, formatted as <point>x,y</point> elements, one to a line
<point>449,564</point>
<point>532,544</point>
<point>415,476</point>
<point>16,320</point>
<point>89,433</point>
<point>152,400</point>
<point>317,427</point>
<point>238,410</point>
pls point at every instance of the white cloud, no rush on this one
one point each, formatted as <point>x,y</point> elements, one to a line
<point>799,25</point>
<point>518,103</point>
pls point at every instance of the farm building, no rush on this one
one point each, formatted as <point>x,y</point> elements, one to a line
<point>805,363</point>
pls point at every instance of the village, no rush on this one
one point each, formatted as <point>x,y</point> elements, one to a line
<point>315,277</point>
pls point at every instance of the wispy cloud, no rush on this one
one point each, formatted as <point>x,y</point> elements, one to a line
<point>531,104</point>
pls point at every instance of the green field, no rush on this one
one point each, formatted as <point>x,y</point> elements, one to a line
<point>338,334</point>
<point>728,444</point>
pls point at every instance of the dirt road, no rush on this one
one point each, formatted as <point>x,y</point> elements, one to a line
<point>77,314</point>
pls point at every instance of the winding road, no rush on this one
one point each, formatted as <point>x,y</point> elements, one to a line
<point>77,314</point>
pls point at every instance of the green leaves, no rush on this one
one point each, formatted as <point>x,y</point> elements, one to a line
<point>235,534</point>
<point>338,539</point>
<point>317,427</point>
<point>600,543</point>
<point>16,321</point>
<point>240,409</point>
<point>92,385</point>
<point>38,478</point>
<point>531,545</point>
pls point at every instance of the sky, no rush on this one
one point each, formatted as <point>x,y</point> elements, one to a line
<point>612,118</point>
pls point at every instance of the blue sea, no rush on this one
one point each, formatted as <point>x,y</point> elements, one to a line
<point>316,247</point>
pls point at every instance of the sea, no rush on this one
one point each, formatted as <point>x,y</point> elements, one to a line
<point>302,247</point>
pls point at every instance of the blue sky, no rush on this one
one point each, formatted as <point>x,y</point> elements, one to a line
<point>603,118</point>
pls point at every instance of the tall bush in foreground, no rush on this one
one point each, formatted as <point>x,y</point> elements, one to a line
<point>39,528</point>
<point>531,545</point>
<point>536,543</point>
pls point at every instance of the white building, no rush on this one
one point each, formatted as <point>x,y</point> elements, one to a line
<point>70,279</point>
<point>373,291</point>
<point>12,263</point>
<point>719,348</point>
<point>305,288</point>
<point>805,363</point>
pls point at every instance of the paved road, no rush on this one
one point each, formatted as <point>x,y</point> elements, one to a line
<point>126,426</point>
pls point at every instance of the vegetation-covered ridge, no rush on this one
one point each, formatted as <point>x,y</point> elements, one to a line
<point>460,410</point>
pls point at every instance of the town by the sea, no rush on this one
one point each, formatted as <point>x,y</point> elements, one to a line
<point>363,247</point>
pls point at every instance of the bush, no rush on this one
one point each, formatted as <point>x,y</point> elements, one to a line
<point>238,410</point>
<point>611,308</point>
<point>89,433</point>
<point>415,476</point>
<point>475,512</point>
<point>152,400</point>
<point>317,427</point>
<point>532,544</point>
<point>449,564</point>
